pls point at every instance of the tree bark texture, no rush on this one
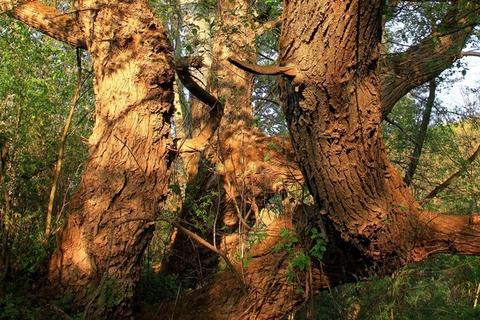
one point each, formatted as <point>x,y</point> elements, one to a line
<point>244,166</point>
<point>333,107</point>
<point>334,110</point>
<point>126,175</point>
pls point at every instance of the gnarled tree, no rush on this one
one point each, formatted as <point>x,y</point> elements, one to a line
<point>332,98</point>
<point>126,175</point>
<point>333,93</point>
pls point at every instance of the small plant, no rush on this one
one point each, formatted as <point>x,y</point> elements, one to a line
<point>299,260</point>
<point>319,243</point>
<point>201,209</point>
<point>111,293</point>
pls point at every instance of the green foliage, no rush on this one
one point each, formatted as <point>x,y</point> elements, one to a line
<point>287,243</point>
<point>111,293</point>
<point>22,301</point>
<point>443,287</point>
<point>451,138</point>
<point>36,86</point>
<point>256,236</point>
<point>154,287</point>
<point>319,243</point>
<point>200,209</point>
<point>299,260</point>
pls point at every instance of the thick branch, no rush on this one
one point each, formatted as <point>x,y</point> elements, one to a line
<point>46,19</point>
<point>450,179</point>
<point>426,60</point>
<point>441,233</point>
<point>199,142</point>
<point>471,53</point>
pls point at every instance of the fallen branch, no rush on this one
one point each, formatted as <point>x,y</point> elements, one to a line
<point>207,245</point>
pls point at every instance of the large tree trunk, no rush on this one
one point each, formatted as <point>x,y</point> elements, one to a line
<point>333,108</point>
<point>126,175</point>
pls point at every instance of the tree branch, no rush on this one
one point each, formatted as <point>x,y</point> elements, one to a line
<point>450,179</point>
<point>47,20</point>
<point>199,142</point>
<point>422,134</point>
<point>263,70</point>
<point>442,233</point>
<point>431,56</point>
<point>471,53</point>
<point>207,245</point>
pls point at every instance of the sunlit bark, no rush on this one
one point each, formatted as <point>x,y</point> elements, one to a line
<point>125,177</point>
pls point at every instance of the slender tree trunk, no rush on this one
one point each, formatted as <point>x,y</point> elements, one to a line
<point>126,176</point>
<point>5,214</point>
<point>422,134</point>
<point>61,150</point>
<point>445,184</point>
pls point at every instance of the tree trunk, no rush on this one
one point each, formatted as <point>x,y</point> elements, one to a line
<point>422,134</point>
<point>333,108</point>
<point>61,149</point>
<point>126,175</point>
<point>333,111</point>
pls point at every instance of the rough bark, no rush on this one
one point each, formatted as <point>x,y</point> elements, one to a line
<point>333,109</point>
<point>125,178</point>
<point>59,25</point>
<point>334,112</point>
